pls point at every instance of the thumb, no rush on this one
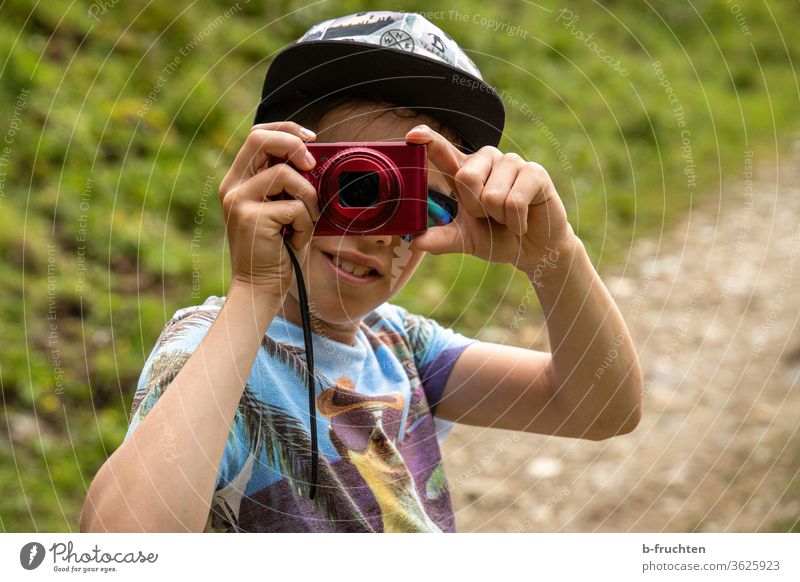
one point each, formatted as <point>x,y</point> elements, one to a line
<point>440,239</point>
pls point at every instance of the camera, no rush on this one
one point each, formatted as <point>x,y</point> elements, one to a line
<point>370,188</point>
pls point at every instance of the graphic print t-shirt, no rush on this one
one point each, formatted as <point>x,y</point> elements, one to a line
<point>380,467</point>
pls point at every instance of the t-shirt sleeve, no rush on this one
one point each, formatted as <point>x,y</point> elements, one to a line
<point>179,339</point>
<point>436,349</point>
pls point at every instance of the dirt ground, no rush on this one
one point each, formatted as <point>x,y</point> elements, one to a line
<point>713,308</point>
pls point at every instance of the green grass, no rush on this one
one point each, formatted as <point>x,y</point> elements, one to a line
<point>791,488</point>
<point>91,182</point>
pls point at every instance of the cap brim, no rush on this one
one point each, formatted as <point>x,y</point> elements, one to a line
<point>309,70</point>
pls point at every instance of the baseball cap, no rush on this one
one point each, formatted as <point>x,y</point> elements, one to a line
<point>397,57</point>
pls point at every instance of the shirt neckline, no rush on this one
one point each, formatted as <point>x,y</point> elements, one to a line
<point>325,348</point>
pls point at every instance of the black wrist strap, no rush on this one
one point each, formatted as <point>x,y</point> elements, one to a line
<point>312,406</point>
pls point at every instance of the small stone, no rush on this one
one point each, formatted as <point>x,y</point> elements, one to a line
<point>545,468</point>
<point>620,287</point>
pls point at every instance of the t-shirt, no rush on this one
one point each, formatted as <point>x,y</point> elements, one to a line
<point>380,466</point>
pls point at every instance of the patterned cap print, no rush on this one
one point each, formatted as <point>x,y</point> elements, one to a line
<point>403,31</point>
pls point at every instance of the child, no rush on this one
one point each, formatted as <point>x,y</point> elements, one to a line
<point>219,435</point>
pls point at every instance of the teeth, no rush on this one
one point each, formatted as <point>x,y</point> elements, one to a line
<point>357,270</point>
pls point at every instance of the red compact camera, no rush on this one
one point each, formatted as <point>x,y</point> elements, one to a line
<point>370,188</point>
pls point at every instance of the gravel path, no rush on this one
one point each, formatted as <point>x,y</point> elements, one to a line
<point>713,308</point>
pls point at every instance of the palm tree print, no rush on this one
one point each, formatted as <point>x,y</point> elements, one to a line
<point>286,445</point>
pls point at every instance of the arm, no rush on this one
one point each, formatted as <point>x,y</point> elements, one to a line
<point>139,488</point>
<point>510,212</point>
<point>589,387</point>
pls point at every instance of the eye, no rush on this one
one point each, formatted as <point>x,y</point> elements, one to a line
<point>442,209</point>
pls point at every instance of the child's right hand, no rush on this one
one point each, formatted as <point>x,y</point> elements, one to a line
<point>253,222</point>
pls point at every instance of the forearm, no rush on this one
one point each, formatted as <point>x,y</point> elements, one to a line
<point>141,487</point>
<point>594,368</point>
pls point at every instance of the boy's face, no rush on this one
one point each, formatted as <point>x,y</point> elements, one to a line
<point>337,297</point>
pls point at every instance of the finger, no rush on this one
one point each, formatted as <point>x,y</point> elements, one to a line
<point>259,147</point>
<point>519,200</point>
<point>441,152</point>
<point>278,179</point>
<point>441,239</point>
<point>292,213</point>
<point>498,186</point>
<point>471,178</point>
<point>289,127</point>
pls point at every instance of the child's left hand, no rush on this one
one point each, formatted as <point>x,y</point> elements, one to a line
<point>509,210</point>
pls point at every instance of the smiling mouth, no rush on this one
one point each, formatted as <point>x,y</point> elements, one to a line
<point>360,272</point>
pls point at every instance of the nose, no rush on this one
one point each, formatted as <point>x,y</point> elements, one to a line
<point>379,239</point>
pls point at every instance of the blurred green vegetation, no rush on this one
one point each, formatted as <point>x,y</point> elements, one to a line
<point>109,171</point>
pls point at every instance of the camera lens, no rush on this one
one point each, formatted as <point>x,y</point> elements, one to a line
<point>359,189</point>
